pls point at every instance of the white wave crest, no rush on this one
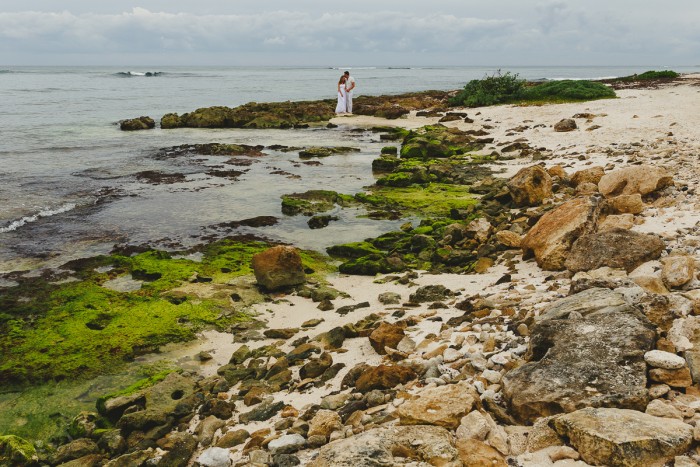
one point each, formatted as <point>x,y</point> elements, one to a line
<point>35,217</point>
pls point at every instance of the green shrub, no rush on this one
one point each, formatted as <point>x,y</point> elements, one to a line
<point>650,75</point>
<point>495,89</point>
<point>567,90</point>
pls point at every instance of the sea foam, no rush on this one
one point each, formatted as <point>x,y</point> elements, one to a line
<point>14,225</point>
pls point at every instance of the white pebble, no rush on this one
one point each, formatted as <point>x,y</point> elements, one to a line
<point>666,360</point>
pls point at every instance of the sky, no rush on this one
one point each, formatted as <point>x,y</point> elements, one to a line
<point>350,32</point>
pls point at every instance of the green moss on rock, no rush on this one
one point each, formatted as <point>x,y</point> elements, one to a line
<point>16,451</point>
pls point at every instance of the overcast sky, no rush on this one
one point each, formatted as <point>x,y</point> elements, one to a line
<point>349,32</point>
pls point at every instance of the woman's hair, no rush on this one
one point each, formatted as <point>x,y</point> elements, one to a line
<point>342,79</point>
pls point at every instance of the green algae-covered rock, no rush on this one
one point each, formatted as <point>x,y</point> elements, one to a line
<point>134,124</point>
<point>385,163</point>
<point>313,202</point>
<point>170,120</point>
<point>16,451</point>
<point>353,250</point>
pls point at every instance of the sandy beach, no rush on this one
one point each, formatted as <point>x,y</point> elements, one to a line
<point>655,127</point>
<point>574,343</point>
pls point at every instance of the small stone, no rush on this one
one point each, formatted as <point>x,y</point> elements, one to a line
<point>233,438</point>
<point>493,377</point>
<point>666,360</point>
<point>523,330</point>
<point>389,298</point>
<point>474,425</point>
<point>312,323</point>
<point>324,423</point>
<point>286,444</point>
<point>215,457</point>
<point>664,409</point>
<point>450,355</point>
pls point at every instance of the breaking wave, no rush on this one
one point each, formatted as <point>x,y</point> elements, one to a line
<point>14,225</point>
<point>139,73</point>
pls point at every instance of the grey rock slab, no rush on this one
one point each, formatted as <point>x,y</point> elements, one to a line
<point>619,437</point>
<point>596,360</point>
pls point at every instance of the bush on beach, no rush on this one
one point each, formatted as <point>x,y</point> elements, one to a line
<point>649,75</point>
<point>506,88</point>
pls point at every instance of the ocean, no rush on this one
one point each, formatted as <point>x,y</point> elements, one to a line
<point>68,175</point>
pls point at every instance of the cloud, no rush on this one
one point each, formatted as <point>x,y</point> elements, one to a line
<point>144,30</point>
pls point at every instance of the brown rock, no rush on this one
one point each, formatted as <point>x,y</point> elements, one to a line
<point>389,446</point>
<point>586,189</point>
<point>617,248</point>
<point>277,267</point>
<point>530,186</point>
<point>232,438</point>
<point>315,367</point>
<point>619,437</point>
<point>474,453</point>
<point>558,171</point>
<point>551,238</point>
<point>386,335</point>
<point>675,378</point>
<point>641,179</point>
<point>677,270</point>
<point>442,406</point>
<point>384,377</point>
<point>616,221</point>
<point>590,175</point>
<point>566,124</point>
<point>508,238</point>
<point>626,204</point>
<point>324,423</point>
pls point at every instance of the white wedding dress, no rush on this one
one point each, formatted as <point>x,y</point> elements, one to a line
<point>342,101</point>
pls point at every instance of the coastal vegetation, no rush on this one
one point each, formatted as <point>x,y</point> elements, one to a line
<point>109,309</point>
<point>649,75</point>
<point>507,88</point>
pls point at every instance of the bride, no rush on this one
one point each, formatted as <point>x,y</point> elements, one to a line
<point>341,108</point>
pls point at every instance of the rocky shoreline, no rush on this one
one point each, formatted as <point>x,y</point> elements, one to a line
<point>571,341</point>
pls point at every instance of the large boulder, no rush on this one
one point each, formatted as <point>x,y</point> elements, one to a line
<point>384,377</point>
<point>635,179</point>
<point>443,406</point>
<point>279,266</point>
<point>618,437</point>
<point>583,354</point>
<point>615,248</point>
<point>552,236</point>
<point>530,186</point>
<point>384,446</point>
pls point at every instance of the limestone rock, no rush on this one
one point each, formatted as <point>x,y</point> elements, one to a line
<point>680,378</point>
<point>677,270</point>
<point>635,179</point>
<point>584,303</point>
<point>139,123</point>
<point>386,335</point>
<point>77,448</point>
<point>214,457</point>
<point>180,446</point>
<point>384,377</point>
<point>508,238</point>
<point>431,445</point>
<point>17,451</point>
<point>566,124</point>
<point>661,359</point>
<point>324,423</point>
<point>279,266</point>
<point>620,437</point>
<point>617,248</point>
<point>286,444</point>
<point>595,359</point>
<point>443,406</point>
<point>616,221</point>
<point>476,453</point>
<point>530,186</point>
<point>552,236</point>
<point>626,204</point>
<point>589,175</point>
<point>479,229</point>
